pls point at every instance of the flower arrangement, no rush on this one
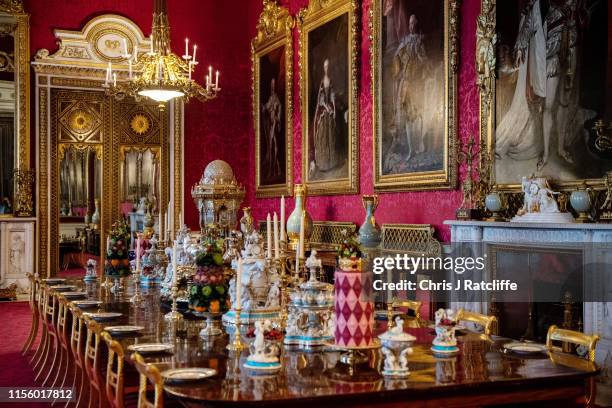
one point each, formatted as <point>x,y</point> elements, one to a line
<point>117,250</point>
<point>209,290</point>
<point>349,252</point>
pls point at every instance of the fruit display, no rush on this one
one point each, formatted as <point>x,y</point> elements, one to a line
<point>209,287</point>
<point>117,247</point>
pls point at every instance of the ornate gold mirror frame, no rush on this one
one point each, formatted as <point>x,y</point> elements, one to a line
<point>69,83</point>
<point>18,25</point>
<point>274,38</point>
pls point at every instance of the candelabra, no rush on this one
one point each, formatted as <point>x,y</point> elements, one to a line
<point>237,344</point>
<point>174,314</point>
<point>136,298</point>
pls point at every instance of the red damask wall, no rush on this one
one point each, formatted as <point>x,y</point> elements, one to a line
<point>415,207</point>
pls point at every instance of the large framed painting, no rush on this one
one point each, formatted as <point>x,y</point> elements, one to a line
<point>272,55</point>
<point>414,85</point>
<point>328,87</point>
<point>544,73</point>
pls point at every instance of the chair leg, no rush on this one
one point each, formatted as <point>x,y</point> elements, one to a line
<point>53,360</point>
<point>62,361</point>
<point>42,361</point>
<point>41,345</point>
<point>33,332</point>
<point>82,389</point>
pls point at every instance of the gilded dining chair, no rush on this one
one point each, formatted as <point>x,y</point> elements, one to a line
<point>63,341</point>
<point>51,345</point>
<point>488,323</point>
<point>148,373</point>
<point>411,305</point>
<point>33,300</point>
<point>116,390</point>
<point>77,346</point>
<point>587,341</point>
<point>42,301</point>
<point>93,366</point>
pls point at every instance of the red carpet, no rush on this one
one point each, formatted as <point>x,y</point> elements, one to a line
<point>15,370</point>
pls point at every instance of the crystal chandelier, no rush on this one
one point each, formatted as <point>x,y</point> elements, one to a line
<point>160,74</point>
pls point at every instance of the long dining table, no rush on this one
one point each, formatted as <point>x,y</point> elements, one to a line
<point>481,374</point>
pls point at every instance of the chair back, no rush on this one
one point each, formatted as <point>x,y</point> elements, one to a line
<point>572,337</point>
<point>412,305</point>
<point>50,306</point>
<point>148,373</point>
<point>114,371</point>
<point>62,318</point>
<point>93,354</point>
<point>76,335</point>
<point>488,323</point>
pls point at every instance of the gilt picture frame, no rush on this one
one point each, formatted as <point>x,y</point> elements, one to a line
<point>272,64</point>
<point>414,54</point>
<point>329,85</point>
<point>567,139</point>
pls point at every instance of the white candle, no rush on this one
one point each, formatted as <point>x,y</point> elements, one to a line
<point>174,263</point>
<point>276,243</point>
<point>269,236</point>
<point>302,234</point>
<point>125,49</point>
<point>217,81</point>
<point>114,79</point>
<point>282,219</point>
<point>210,73</point>
<point>186,56</point>
<point>130,68</point>
<point>109,70</point>
<point>238,285</point>
<point>195,48</point>
<point>138,253</point>
<point>135,53</point>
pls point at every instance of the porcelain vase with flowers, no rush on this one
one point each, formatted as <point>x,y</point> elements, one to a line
<point>445,343</point>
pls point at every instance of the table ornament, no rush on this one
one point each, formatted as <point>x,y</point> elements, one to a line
<point>151,348</point>
<point>91,271</point>
<point>152,264</point>
<point>174,314</point>
<point>140,244</point>
<point>264,353</point>
<point>294,220</point>
<point>117,264</point>
<point>445,343</point>
<point>369,232</point>
<point>85,304</point>
<point>123,329</point>
<point>582,201</point>
<point>103,316</point>
<point>354,306</point>
<point>260,288</point>
<point>187,374</point>
<point>208,292</point>
<point>310,321</point>
<point>395,347</point>
<point>494,203</point>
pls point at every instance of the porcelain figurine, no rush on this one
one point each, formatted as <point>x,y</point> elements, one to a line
<point>91,271</point>
<point>369,232</point>
<point>264,354</point>
<point>395,347</point>
<point>247,223</point>
<point>152,268</point>
<point>581,202</point>
<point>539,204</point>
<point>445,343</point>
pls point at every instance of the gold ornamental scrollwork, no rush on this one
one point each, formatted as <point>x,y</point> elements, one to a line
<point>11,6</point>
<point>274,31</point>
<point>486,42</point>
<point>603,141</point>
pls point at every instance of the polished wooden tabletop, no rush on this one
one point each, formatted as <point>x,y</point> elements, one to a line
<point>481,366</point>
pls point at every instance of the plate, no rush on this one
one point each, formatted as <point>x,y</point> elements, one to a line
<point>73,295</point>
<point>123,329</point>
<point>151,348</point>
<point>83,304</point>
<point>525,348</point>
<point>103,315</point>
<point>54,281</point>
<point>188,374</point>
<point>64,288</point>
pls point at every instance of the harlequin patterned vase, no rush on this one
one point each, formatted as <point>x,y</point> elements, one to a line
<point>354,308</point>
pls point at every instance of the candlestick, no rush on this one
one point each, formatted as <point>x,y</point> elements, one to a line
<point>302,234</point>
<point>276,243</point>
<point>282,219</point>
<point>190,65</point>
<point>186,56</point>
<point>269,236</point>
<point>210,73</point>
<point>174,263</point>
<point>238,284</point>
<point>137,298</point>
<point>195,48</point>
<point>138,251</point>
<point>174,314</point>
<point>236,344</point>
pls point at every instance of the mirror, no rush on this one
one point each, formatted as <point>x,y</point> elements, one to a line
<point>141,186</point>
<point>80,171</point>
<point>8,136</point>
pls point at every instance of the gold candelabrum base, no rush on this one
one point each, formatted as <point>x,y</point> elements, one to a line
<point>237,344</point>
<point>174,314</point>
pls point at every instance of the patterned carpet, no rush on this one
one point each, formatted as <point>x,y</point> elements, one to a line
<point>15,369</point>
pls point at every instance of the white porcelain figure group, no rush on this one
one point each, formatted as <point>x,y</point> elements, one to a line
<point>445,343</point>
<point>395,347</point>
<point>264,354</point>
<point>539,204</point>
